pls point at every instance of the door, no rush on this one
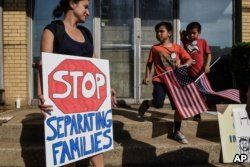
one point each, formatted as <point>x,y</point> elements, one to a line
<point>117,44</point>
<point>127,33</point>
<point>151,13</point>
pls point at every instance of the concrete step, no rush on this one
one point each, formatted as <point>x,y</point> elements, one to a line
<point>159,123</point>
<point>15,154</point>
<point>162,152</point>
<point>155,152</point>
<point>4,108</point>
<point>27,125</point>
<point>137,142</point>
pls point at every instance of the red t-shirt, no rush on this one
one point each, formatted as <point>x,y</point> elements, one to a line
<point>174,53</point>
<point>198,50</point>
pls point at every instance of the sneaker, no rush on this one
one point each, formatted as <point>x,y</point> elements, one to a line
<point>180,138</point>
<point>143,108</point>
<point>197,117</point>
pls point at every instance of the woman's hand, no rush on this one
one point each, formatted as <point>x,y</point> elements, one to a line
<point>113,98</point>
<point>43,107</point>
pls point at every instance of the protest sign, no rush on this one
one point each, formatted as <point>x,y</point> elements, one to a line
<point>242,131</point>
<point>80,124</point>
<point>227,131</point>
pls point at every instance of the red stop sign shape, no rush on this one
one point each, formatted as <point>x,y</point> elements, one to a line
<point>77,86</point>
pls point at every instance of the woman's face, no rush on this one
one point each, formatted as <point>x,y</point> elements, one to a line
<point>81,9</point>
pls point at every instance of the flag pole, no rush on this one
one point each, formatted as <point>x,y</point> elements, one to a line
<point>167,72</point>
<point>210,67</point>
<point>186,65</point>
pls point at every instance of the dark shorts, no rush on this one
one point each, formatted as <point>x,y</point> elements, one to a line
<point>160,91</point>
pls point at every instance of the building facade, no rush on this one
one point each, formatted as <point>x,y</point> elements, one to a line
<point>123,32</point>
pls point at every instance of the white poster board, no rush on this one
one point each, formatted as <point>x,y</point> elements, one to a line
<point>80,124</point>
<point>227,131</point>
<point>242,131</point>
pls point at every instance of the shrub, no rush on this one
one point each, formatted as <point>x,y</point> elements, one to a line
<point>240,66</point>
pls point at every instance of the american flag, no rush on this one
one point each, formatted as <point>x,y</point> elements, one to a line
<point>205,87</point>
<point>186,97</point>
<point>182,76</point>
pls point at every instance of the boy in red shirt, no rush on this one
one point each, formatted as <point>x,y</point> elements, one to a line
<point>164,56</point>
<point>198,50</point>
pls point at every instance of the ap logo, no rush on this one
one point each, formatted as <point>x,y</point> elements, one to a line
<point>240,158</point>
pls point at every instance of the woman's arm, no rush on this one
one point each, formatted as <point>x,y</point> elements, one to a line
<point>47,42</point>
<point>46,45</point>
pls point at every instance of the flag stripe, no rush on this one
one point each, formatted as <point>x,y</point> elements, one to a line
<point>182,96</point>
<point>200,99</point>
<point>196,103</point>
<point>185,102</point>
<point>205,86</point>
<point>174,95</point>
<point>187,99</point>
<point>177,95</point>
<point>192,112</point>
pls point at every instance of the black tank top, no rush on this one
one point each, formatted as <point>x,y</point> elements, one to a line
<point>66,45</point>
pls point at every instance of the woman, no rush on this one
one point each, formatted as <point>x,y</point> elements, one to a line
<point>65,37</point>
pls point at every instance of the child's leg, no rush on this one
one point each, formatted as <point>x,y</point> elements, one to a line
<point>178,135</point>
<point>159,94</point>
<point>177,122</point>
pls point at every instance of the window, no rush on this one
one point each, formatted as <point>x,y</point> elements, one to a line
<point>216,19</point>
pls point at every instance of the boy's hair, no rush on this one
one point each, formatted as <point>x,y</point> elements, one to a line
<point>167,25</point>
<point>193,25</point>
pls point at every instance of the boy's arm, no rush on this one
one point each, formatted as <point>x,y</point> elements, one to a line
<point>188,62</point>
<point>146,79</point>
<point>207,64</point>
<point>208,55</point>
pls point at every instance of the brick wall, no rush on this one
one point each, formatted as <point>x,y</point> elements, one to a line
<point>246,20</point>
<point>15,42</point>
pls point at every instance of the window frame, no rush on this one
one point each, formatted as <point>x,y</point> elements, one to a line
<point>1,46</point>
<point>236,20</point>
